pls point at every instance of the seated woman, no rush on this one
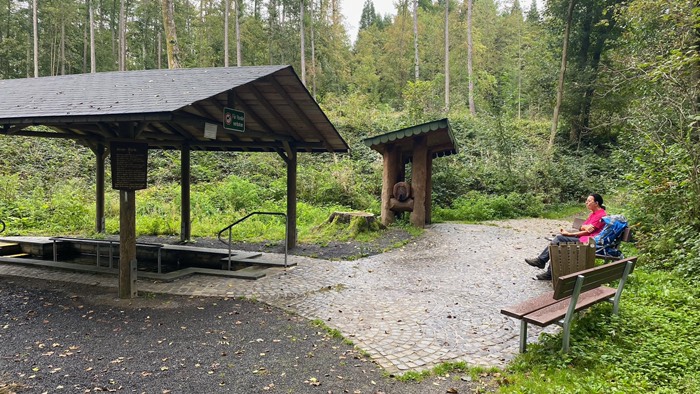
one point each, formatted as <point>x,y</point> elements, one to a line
<point>590,228</point>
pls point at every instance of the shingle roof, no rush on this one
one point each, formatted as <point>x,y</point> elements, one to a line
<point>441,142</point>
<point>170,107</point>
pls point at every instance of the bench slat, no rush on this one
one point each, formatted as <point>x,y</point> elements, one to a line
<point>557,311</point>
<point>595,277</point>
<point>529,306</point>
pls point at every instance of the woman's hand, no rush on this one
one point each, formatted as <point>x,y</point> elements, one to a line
<point>564,232</point>
<point>589,228</point>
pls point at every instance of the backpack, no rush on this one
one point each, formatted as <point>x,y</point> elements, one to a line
<point>608,240</point>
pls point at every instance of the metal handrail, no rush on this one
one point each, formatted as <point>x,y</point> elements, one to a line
<point>2,226</point>
<point>230,226</point>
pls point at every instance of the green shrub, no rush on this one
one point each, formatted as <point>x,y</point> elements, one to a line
<point>475,206</point>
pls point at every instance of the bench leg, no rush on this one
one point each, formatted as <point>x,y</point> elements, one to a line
<point>523,336</point>
<point>565,337</point>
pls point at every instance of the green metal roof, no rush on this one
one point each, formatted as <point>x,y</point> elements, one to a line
<point>441,141</point>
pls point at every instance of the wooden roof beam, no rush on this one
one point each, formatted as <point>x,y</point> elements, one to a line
<point>300,113</point>
<point>179,130</point>
<point>274,112</point>
<point>248,110</point>
<point>152,116</point>
<point>43,134</point>
<point>196,120</point>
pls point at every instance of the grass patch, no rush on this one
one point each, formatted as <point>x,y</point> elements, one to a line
<point>447,369</point>
<point>652,346</point>
<point>331,331</point>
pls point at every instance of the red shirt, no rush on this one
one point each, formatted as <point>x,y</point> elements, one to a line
<point>596,219</point>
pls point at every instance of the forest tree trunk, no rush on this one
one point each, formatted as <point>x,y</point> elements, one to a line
<point>562,72</point>
<point>226,8</point>
<point>171,43</point>
<point>470,55</point>
<point>93,62</point>
<point>239,59</point>
<point>447,56</point>
<point>415,40</point>
<point>122,36</point>
<point>303,47</point>
<point>35,22</point>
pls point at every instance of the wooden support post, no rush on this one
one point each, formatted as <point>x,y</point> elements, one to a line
<point>292,198</point>
<point>127,242</point>
<point>127,229</point>
<point>390,174</point>
<point>99,188</point>
<point>429,191</point>
<point>419,181</point>
<point>185,209</point>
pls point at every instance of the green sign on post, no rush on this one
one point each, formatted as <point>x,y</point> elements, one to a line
<point>234,120</point>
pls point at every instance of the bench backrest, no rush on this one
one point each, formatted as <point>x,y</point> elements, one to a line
<point>626,235</point>
<point>593,277</point>
<point>567,258</point>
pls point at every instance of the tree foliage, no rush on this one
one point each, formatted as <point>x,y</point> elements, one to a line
<point>657,74</point>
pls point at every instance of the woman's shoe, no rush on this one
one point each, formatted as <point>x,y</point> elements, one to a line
<point>546,275</point>
<point>536,262</point>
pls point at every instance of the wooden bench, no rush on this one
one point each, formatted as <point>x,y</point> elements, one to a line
<point>626,236</point>
<point>572,293</point>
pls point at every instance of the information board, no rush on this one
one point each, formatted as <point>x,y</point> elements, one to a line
<point>234,120</point>
<point>129,165</point>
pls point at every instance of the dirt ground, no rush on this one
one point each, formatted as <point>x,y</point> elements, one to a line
<point>66,337</point>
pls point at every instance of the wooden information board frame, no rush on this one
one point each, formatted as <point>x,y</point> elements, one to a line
<point>129,165</point>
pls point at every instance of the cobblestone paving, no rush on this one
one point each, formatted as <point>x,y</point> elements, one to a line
<point>435,300</point>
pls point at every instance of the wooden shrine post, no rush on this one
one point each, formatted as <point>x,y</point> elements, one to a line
<point>419,181</point>
<point>429,191</point>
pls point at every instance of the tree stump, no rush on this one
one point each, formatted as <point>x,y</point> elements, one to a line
<point>347,217</point>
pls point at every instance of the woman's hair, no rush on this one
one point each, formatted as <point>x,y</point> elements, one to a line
<point>597,198</point>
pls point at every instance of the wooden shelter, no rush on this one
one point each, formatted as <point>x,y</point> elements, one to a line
<point>418,145</point>
<point>248,109</point>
